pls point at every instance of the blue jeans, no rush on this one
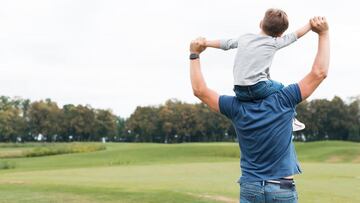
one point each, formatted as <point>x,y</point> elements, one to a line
<point>260,192</point>
<point>260,90</point>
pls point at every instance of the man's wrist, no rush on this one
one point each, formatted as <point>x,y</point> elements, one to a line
<point>194,55</point>
<point>324,34</point>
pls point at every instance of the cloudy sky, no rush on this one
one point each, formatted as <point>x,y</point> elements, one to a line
<point>121,54</point>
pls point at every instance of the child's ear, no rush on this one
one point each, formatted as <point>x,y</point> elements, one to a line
<point>260,25</point>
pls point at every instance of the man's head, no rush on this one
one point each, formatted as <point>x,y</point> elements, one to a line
<point>275,22</point>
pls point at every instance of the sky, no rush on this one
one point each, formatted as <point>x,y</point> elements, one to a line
<point>121,54</point>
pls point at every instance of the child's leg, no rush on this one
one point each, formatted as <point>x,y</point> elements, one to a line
<point>263,89</point>
<point>243,93</point>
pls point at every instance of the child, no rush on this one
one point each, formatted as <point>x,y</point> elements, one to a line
<point>255,53</point>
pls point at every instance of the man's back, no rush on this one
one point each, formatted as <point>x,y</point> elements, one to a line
<point>264,131</point>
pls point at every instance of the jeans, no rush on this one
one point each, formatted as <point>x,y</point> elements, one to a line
<point>260,90</point>
<point>260,192</point>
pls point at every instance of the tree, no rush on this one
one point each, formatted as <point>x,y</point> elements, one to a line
<point>44,119</point>
<point>121,132</point>
<point>172,122</point>
<point>354,120</point>
<point>11,124</point>
<point>80,122</point>
<point>106,125</point>
<point>143,124</point>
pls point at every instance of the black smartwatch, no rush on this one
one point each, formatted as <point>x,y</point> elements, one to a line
<point>194,56</point>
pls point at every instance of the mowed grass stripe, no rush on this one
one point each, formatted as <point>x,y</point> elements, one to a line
<point>197,172</point>
<point>120,154</point>
<point>187,182</point>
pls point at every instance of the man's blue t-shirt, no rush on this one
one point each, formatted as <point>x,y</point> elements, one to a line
<point>264,131</point>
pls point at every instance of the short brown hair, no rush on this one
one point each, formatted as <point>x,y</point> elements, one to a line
<point>275,22</point>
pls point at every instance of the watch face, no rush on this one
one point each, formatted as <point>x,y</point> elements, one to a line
<point>194,56</point>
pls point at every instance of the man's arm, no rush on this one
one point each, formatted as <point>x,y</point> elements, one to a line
<point>303,30</point>
<point>320,66</point>
<point>200,89</point>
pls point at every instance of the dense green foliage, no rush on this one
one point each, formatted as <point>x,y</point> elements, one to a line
<point>152,173</point>
<point>181,122</point>
<point>177,122</point>
<point>22,120</point>
<point>329,120</point>
<point>172,122</point>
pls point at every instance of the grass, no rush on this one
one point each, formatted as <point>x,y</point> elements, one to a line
<point>6,165</point>
<point>172,173</point>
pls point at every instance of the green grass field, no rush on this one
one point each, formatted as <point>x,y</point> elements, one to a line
<point>155,173</point>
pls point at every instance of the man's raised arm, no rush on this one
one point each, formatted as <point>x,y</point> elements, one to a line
<point>320,67</point>
<point>200,89</point>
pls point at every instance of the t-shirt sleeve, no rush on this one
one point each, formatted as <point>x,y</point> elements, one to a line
<point>291,95</point>
<point>226,44</point>
<point>226,106</point>
<point>281,42</point>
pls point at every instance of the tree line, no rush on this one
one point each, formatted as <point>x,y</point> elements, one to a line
<point>23,120</point>
<point>172,122</point>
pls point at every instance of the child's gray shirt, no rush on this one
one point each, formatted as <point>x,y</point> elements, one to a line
<point>254,56</point>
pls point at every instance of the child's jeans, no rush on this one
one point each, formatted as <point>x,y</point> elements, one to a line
<point>260,90</point>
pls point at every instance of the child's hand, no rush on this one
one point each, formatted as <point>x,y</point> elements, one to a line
<point>197,46</point>
<point>319,25</point>
<point>201,41</point>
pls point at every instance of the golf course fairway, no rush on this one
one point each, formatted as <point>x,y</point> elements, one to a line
<point>178,173</point>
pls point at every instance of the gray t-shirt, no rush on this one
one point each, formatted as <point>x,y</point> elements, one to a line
<point>254,55</point>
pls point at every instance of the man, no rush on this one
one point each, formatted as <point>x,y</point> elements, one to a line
<point>264,127</point>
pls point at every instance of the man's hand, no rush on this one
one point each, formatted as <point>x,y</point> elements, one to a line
<point>197,46</point>
<point>319,25</point>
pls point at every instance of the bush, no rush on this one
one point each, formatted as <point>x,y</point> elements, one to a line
<point>55,149</point>
<point>20,145</point>
<point>6,165</point>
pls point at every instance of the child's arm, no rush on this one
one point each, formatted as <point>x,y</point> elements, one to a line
<point>222,44</point>
<point>286,40</point>
<point>213,44</point>
<point>303,30</point>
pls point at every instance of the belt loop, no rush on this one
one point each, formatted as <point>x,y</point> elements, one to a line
<point>263,183</point>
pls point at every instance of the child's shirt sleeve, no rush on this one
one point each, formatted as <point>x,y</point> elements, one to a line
<point>226,44</point>
<point>281,42</point>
